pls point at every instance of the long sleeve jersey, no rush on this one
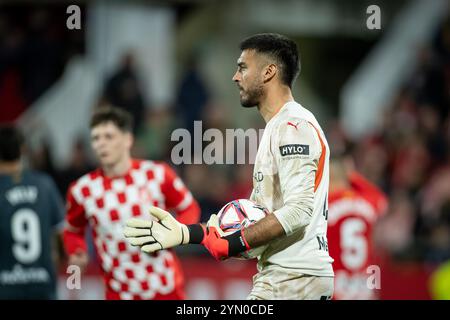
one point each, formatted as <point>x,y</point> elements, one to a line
<point>291,178</point>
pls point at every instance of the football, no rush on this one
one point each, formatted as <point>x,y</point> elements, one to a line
<point>238,214</point>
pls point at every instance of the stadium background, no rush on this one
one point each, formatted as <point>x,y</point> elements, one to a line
<point>382,94</point>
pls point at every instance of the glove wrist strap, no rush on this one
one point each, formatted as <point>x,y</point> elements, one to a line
<point>236,243</point>
<point>196,233</point>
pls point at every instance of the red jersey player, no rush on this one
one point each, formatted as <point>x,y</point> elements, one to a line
<point>354,206</point>
<point>120,189</point>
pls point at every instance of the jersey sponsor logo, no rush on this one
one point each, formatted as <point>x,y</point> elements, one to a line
<point>294,149</point>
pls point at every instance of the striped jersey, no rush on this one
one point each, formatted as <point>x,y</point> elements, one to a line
<point>106,203</point>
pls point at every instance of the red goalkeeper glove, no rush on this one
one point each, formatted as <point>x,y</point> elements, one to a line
<point>219,245</point>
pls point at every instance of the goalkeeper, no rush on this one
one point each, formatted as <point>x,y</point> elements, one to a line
<point>291,177</point>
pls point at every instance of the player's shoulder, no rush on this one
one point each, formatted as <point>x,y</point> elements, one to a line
<point>146,165</point>
<point>370,190</point>
<point>152,169</point>
<point>38,178</point>
<point>143,163</point>
<point>165,168</point>
<point>36,175</point>
<point>86,179</point>
<point>152,164</point>
<point>294,110</point>
<point>293,116</point>
<point>349,203</point>
<point>296,125</point>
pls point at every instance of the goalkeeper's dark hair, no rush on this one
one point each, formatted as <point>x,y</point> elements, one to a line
<point>119,117</point>
<point>281,49</point>
<point>11,142</point>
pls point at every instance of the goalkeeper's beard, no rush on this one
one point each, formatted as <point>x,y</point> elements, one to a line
<point>252,96</point>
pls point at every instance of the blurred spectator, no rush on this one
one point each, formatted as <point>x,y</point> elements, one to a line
<point>35,44</point>
<point>41,159</point>
<point>11,97</point>
<point>193,96</point>
<point>394,232</point>
<point>430,127</point>
<point>428,83</point>
<point>123,90</point>
<point>337,138</point>
<point>42,55</point>
<point>78,166</point>
<point>158,127</point>
<point>242,184</point>
<point>372,161</point>
<point>194,177</point>
<point>409,164</point>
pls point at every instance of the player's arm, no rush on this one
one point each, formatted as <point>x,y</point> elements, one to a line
<point>56,207</point>
<point>264,231</point>
<point>178,198</point>
<point>74,232</point>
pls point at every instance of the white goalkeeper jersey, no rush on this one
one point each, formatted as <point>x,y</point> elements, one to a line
<point>290,178</point>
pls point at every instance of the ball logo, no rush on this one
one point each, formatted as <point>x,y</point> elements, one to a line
<point>294,149</point>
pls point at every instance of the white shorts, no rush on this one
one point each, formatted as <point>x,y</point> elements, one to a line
<point>288,285</point>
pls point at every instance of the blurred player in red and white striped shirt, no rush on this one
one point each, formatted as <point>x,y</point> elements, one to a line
<point>120,189</point>
<point>354,206</point>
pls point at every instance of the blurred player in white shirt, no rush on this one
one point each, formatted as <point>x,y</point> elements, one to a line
<point>291,177</point>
